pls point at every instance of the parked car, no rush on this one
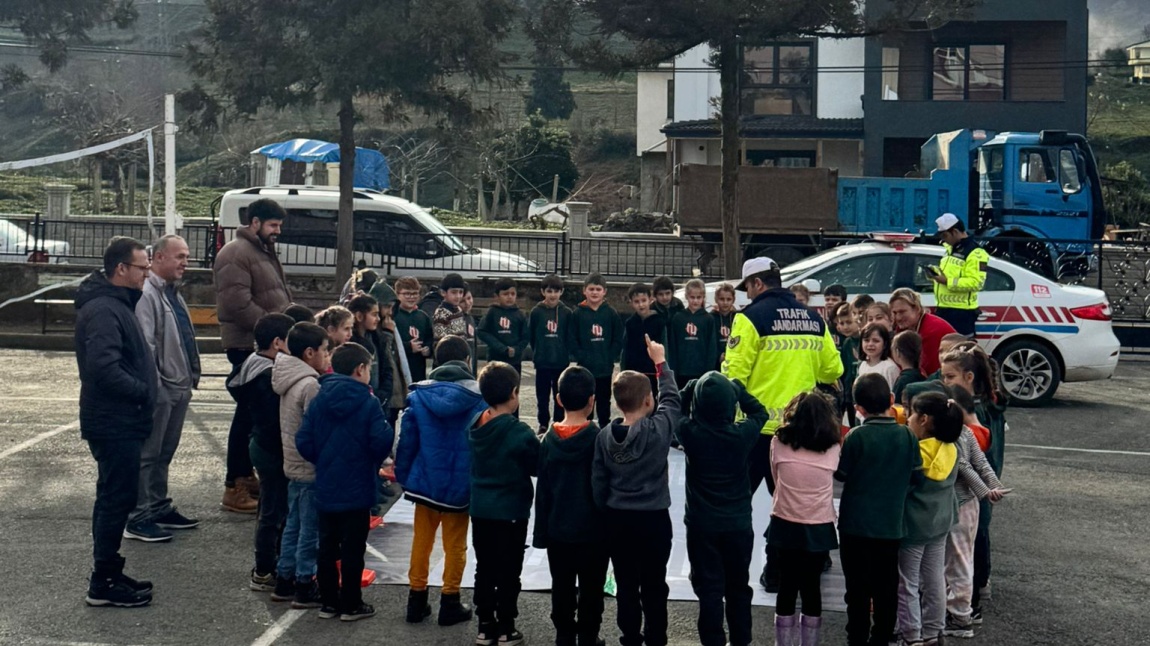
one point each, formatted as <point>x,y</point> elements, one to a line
<point>17,245</point>
<point>1042,333</point>
<point>391,233</point>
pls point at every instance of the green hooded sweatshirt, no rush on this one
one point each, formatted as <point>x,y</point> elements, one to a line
<point>691,346</point>
<point>504,456</point>
<point>565,510</point>
<point>548,329</point>
<point>931,505</point>
<point>717,449</point>
<point>596,338</point>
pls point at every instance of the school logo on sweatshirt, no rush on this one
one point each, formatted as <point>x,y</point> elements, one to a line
<point>724,331</point>
<point>597,330</point>
<point>413,332</point>
<point>692,329</point>
<point>552,326</point>
<point>504,322</point>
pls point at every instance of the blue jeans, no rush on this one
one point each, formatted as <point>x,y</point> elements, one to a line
<point>301,534</point>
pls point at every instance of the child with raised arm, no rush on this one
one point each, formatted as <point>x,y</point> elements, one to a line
<point>504,457</point>
<point>720,537</point>
<point>346,436</point>
<point>629,481</point>
<point>567,522</point>
<point>548,331</point>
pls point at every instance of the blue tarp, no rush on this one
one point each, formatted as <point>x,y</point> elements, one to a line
<point>370,165</point>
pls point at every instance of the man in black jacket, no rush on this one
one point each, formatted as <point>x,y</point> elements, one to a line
<point>117,395</point>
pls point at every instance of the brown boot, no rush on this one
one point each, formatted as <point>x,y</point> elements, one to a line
<point>237,499</point>
<point>251,484</point>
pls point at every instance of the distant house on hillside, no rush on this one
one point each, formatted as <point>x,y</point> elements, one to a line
<point>865,106</point>
<point>1139,57</point>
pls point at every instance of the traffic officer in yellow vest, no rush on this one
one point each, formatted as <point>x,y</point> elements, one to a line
<point>778,348</point>
<point>961,275</point>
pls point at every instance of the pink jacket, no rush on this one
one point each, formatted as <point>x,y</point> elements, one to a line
<point>804,483</point>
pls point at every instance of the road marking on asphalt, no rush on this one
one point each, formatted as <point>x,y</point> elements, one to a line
<point>1076,450</point>
<point>376,553</point>
<point>33,441</point>
<point>279,627</point>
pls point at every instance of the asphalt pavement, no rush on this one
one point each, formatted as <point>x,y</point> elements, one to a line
<point>1070,562</point>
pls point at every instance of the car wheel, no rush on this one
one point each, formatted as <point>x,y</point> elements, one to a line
<point>1028,372</point>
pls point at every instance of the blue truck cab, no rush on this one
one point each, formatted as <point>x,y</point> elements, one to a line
<point>1012,185</point>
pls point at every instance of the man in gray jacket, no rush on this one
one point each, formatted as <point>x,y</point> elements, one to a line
<point>167,328</point>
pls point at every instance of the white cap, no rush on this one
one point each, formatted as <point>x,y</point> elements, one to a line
<point>755,266</point>
<point>946,221</point>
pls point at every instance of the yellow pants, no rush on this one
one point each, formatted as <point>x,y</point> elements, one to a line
<point>427,521</point>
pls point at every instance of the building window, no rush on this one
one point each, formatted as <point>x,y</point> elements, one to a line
<point>968,73</point>
<point>778,79</point>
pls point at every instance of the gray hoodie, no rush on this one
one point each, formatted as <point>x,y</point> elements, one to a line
<point>296,383</point>
<point>630,467</point>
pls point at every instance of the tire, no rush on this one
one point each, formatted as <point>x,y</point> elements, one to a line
<point>1029,372</point>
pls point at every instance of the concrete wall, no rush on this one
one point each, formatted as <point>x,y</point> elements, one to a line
<point>694,88</point>
<point>846,156</point>
<point>651,110</point>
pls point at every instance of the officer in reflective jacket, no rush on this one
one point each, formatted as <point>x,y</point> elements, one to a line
<point>777,349</point>
<point>960,276</point>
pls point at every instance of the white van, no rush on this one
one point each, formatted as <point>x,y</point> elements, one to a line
<point>392,235</point>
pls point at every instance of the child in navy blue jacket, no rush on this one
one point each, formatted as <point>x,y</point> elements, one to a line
<point>346,436</point>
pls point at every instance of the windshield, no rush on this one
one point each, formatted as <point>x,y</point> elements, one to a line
<point>441,232</point>
<point>791,271</point>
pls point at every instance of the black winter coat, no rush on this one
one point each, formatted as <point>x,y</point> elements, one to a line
<point>117,373</point>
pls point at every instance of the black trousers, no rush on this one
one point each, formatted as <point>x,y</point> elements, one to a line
<point>640,543</point>
<point>870,566</point>
<point>759,467</point>
<point>499,547</point>
<point>239,463</point>
<point>117,485</point>
<point>963,321</point>
<point>981,552</point>
<point>800,574</point>
<point>719,563</point>
<point>546,387</point>
<point>272,511</point>
<point>578,572</point>
<point>603,401</point>
<point>342,537</point>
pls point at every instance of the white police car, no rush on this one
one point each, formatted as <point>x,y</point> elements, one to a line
<point>1041,333</point>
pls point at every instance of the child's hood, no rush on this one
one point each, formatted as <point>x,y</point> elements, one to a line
<point>576,447</point>
<point>452,371</point>
<point>634,442</point>
<point>289,371</point>
<point>938,458</point>
<point>252,367</point>
<point>343,396</point>
<point>713,401</point>
<point>490,430</point>
<point>444,399</point>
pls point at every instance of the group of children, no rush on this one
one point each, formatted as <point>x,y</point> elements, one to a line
<point>325,398</point>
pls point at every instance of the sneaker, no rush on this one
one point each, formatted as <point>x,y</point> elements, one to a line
<point>903,641</point>
<point>115,592</point>
<point>327,612</point>
<point>138,586</point>
<point>147,532</point>
<point>284,590</point>
<point>306,595</point>
<point>487,635</point>
<point>364,611</point>
<point>175,520</point>
<point>513,638</point>
<point>956,627</point>
<point>976,617</point>
<point>984,592</point>
<point>262,582</point>
<point>933,641</point>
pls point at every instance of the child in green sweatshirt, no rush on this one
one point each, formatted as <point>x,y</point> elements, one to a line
<point>504,327</point>
<point>596,340</point>
<point>691,346</point>
<point>547,332</point>
<point>504,457</point>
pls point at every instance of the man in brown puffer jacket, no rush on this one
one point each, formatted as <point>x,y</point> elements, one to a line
<point>249,284</point>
